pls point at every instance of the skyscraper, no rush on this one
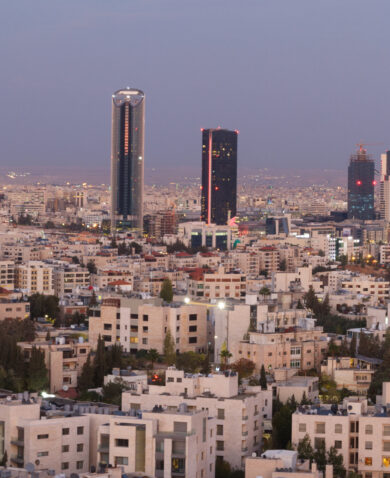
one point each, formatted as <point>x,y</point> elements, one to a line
<point>127,159</point>
<point>385,187</point>
<point>361,183</point>
<point>219,175</point>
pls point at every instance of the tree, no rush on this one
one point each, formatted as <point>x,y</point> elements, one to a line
<point>281,426</point>
<point>352,346</point>
<point>93,300</point>
<point>333,458</point>
<point>169,348</point>
<point>112,392</point>
<point>244,367</point>
<point>263,378</point>
<point>37,375</point>
<point>92,269</point>
<point>85,381</point>
<point>153,356</point>
<point>305,450</point>
<point>99,363</point>
<point>166,292</point>
<point>206,368</point>
<point>224,355</point>
<point>75,260</point>
<point>310,299</point>
<point>44,305</point>
<point>264,291</point>
<point>190,362</point>
<point>299,304</point>
<point>222,469</point>
<point>4,460</point>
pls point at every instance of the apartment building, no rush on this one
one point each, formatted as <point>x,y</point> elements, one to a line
<point>35,277</point>
<point>162,443</point>
<point>68,437</point>
<point>219,285</point>
<point>239,414</point>
<point>300,348</point>
<point>283,464</point>
<point>7,275</point>
<point>13,308</point>
<point>64,361</point>
<point>143,323</point>
<point>269,259</point>
<point>355,374</point>
<point>378,289</point>
<point>21,252</point>
<point>67,279</point>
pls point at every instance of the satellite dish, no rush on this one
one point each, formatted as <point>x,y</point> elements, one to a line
<point>65,388</point>
<point>9,398</point>
<point>30,467</point>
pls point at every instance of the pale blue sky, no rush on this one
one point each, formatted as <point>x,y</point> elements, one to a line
<point>303,80</point>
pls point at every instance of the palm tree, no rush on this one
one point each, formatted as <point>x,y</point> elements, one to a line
<point>224,355</point>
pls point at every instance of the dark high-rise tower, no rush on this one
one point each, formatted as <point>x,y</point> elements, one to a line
<point>219,175</point>
<point>361,183</point>
<point>127,159</point>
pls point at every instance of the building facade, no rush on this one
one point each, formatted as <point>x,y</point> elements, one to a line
<point>361,184</point>
<point>127,159</point>
<point>219,175</point>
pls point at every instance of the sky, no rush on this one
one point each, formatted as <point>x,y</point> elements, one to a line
<point>302,80</point>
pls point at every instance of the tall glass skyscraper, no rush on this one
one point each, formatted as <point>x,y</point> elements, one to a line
<point>127,159</point>
<point>385,187</point>
<point>219,175</point>
<point>361,184</point>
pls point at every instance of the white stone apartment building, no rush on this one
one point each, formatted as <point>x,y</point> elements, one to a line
<point>359,432</point>
<point>35,277</point>
<point>239,414</point>
<point>219,285</point>
<point>376,288</point>
<point>67,279</point>
<point>143,323</point>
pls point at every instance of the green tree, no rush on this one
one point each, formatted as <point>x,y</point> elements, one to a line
<point>153,356</point>
<point>75,260</point>
<point>166,292</point>
<point>112,392</point>
<point>320,456</point>
<point>85,381</point>
<point>222,469</point>
<point>99,363</point>
<point>37,375</point>
<point>281,427</point>
<point>206,368</point>
<point>305,450</point>
<point>299,304</point>
<point>224,355</point>
<point>264,291</point>
<point>244,367</point>
<point>93,300</point>
<point>190,362</point>
<point>336,460</point>
<point>92,269</point>
<point>263,378</point>
<point>169,348</point>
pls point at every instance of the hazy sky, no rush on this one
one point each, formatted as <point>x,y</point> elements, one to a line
<point>303,80</point>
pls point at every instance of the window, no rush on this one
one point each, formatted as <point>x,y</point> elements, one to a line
<point>369,429</point>
<point>64,466</point>
<point>145,341</point>
<point>123,460</point>
<point>80,447</point>
<point>145,318</point>
<point>302,427</point>
<point>219,429</point>
<point>193,340</point>
<point>368,445</point>
<point>42,453</point>
<point>79,465</point>
<point>170,379</point>
<point>386,461</point>
<point>107,327</point>
<point>65,448</point>
<point>192,328</point>
<point>80,430</point>
<point>122,442</point>
<point>338,428</point>
<point>193,317</point>
<point>368,461</point>
<point>145,329</point>
<point>386,430</point>
<point>220,413</point>
<point>338,444</point>
<point>320,427</point>
<point>354,427</point>
<point>386,446</point>
<point>220,445</point>
<point>43,437</point>
<point>319,442</point>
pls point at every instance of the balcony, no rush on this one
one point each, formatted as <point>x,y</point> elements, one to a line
<point>244,449</point>
<point>17,460</point>
<point>245,433</point>
<point>103,448</point>
<point>17,442</point>
<point>245,417</point>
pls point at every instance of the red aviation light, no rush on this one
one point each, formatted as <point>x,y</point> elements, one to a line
<point>358,182</point>
<point>374,183</point>
<point>216,188</point>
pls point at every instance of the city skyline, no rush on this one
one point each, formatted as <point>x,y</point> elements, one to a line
<point>285,73</point>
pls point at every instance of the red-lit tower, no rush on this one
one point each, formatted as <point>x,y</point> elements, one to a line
<point>361,184</point>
